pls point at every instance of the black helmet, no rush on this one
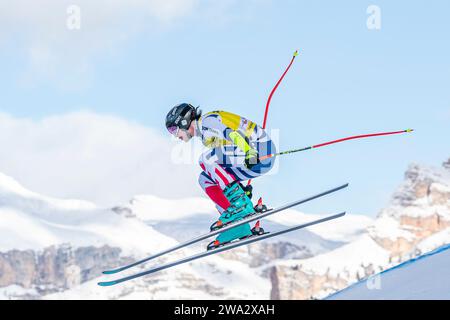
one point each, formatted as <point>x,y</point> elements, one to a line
<point>181,117</point>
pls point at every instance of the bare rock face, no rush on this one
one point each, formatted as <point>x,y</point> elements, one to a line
<point>55,268</point>
<point>300,285</point>
<point>421,206</point>
<point>17,267</point>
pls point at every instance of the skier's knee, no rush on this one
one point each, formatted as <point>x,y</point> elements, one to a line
<point>205,181</point>
<point>201,162</point>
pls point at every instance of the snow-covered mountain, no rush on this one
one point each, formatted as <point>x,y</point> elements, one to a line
<point>53,248</point>
<point>201,213</point>
<point>32,221</point>
<point>56,249</point>
<point>416,221</point>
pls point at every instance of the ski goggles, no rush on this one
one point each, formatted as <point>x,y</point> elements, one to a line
<point>173,130</point>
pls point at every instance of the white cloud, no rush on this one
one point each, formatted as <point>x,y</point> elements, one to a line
<point>39,29</point>
<point>100,158</point>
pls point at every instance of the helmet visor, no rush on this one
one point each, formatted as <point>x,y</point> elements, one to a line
<point>173,130</point>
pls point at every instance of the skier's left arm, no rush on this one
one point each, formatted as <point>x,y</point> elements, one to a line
<point>251,155</point>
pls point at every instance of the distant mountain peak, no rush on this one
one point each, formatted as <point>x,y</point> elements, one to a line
<point>423,185</point>
<point>419,208</point>
<point>446,164</point>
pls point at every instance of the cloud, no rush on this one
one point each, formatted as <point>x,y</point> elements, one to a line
<point>38,32</point>
<point>39,29</point>
<point>101,158</point>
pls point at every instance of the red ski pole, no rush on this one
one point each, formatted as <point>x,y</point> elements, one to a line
<point>334,141</point>
<point>272,92</point>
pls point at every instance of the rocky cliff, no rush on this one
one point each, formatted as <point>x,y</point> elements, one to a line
<point>56,268</point>
<point>417,219</point>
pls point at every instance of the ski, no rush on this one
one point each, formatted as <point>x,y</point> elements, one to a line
<point>232,225</point>
<point>229,246</point>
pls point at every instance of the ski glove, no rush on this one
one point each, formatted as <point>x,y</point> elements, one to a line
<point>251,155</point>
<point>251,158</point>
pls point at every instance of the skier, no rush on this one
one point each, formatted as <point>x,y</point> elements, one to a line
<point>236,144</point>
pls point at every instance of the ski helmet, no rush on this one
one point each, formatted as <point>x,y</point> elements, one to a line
<point>181,116</point>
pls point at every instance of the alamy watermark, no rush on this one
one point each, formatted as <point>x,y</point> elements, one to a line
<point>193,152</point>
<point>73,21</point>
<point>374,19</point>
<point>374,282</point>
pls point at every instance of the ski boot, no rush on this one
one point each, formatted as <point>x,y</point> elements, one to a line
<point>241,207</point>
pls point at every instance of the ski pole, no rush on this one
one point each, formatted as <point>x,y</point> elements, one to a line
<point>332,142</point>
<point>275,88</point>
<point>272,92</point>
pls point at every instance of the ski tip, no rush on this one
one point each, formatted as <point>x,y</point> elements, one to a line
<point>107,283</point>
<point>345,185</point>
<point>111,271</point>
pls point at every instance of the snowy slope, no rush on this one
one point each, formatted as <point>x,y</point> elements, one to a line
<point>189,217</point>
<point>153,209</point>
<point>425,277</point>
<point>31,221</point>
<point>184,219</point>
<point>212,278</point>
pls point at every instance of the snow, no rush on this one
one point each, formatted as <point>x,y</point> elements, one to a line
<point>14,291</point>
<point>406,201</point>
<point>388,227</point>
<point>434,241</point>
<point>425,277</point>
<point>341,248</point>
<point>151,208</point>
<point>235,277</point>
<point>32,221</point>
<point>440,187</point>
<point>347,260</point>
<point>345,229</point>
<point>425,172</point>
<point>157,211</point>
<point>197,215</point>
<point>212,278</point>
<point>10,187</point>
<point>438,178</point>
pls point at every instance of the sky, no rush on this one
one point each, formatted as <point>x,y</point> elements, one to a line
<point>82,109</point>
